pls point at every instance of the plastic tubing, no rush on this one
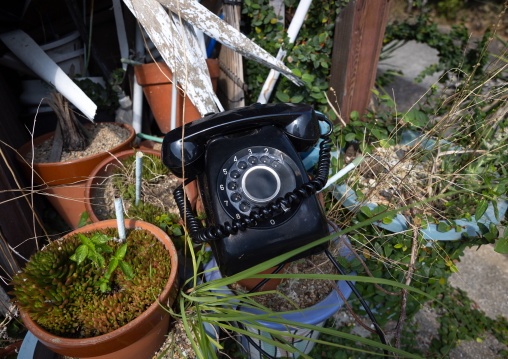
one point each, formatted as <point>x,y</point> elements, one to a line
<point>120,223</point>
<point>139,171</point>
<point>137,91</point>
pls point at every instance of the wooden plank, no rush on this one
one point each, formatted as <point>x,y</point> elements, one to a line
<point>369,23</point>
<point>340,54</point>
<point>231,63</point>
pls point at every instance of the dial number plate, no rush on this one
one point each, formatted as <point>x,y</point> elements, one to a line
<point>254,176</point>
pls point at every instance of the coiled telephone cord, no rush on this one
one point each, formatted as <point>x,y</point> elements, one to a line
<point>199,234</point>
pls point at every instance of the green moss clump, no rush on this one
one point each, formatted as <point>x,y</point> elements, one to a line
<point>65,298</point>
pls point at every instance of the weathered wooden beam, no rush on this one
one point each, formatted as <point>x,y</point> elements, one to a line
<point>358,39</point>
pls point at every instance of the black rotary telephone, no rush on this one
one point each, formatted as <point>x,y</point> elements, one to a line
<point>258,198</point>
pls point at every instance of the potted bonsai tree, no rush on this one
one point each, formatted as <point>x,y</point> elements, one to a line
<point>88,294</point>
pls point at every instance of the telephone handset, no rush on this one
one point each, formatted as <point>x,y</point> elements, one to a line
<point>258,198</point>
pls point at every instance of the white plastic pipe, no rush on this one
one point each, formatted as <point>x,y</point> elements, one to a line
<point>137,91</point>
<point>139,171</point>
<point>120,222</point>
<point>120,31</point>
<point>293,30</point>
<point>343,172</point>
<point>27,50</point>
<point>173,102</point>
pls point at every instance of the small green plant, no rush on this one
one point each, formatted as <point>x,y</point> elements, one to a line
<point>66,298</point>
<point>92,249</point>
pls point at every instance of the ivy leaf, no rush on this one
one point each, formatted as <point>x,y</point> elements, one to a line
<point>308,78</point>
<point>483,228</point>
<point>417,118</point>
<point>480,209</point>
<point>350,137</point>
<point>443,227</point>
<point>283,97</point>
<point>176,231</point>
<point>378,134</point>
<point>388,249</point>
<point>502,245</point>
<point>297,99</point>
<point>297,72</point>
<point>343,262</point>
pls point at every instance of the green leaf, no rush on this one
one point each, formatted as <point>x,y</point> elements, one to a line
<point>84,219</point>
<point>120,253</point>
<point>417,118</point>
<point>378,134</point>
<point>387,220</point>
<point>354,115</point>
<point>112,265</point>
<point>283,97</point>
<point>350,137</point>
<point>483,228</point>
<point>343,262</point>
<point>480,209</point>
<point>127,269</point>
<point>177,231</point>
<point>443,227</point>
<point>86,241</point>
<point>297,99</point>
<point>388,249</point>
<point>104,248</point>
<point>308,78</point>
<point>297,72</point>
<point>398,245</point>
<point>103,286</point>
<point>502,245</point>
<point>366,210</point>
<point>496,210</point>
<point>100,260</point>
<point>100,238</point>
<point>80,254</point>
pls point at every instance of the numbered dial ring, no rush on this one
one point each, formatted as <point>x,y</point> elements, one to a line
<point>255,176</point>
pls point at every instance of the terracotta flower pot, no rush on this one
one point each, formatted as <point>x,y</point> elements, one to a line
<point>138,339</point>
<point>157,89</point>
<point>64,182</point>
<point>106,168</point>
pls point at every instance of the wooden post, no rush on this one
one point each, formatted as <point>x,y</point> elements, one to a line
<point>232,93</point>
<point>358,39</point>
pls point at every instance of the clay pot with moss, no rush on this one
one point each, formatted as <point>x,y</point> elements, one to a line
<point>75,311</point>
<point>115,176</point>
